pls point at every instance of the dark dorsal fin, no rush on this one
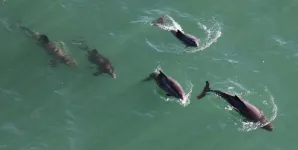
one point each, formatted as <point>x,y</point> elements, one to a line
<point>236,97</point>
<point>94,52</point>
<point>179,33</point>
<point>161,73</point>
<point>240,102</point>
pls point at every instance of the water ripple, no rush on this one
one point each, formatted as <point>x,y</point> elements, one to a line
<point>212,33</point>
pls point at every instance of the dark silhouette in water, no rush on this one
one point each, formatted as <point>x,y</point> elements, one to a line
<point>247,110</point>
<point>186,39</point>
<point>167,84</point>
<point>57,54</point>
<point>103,63</point>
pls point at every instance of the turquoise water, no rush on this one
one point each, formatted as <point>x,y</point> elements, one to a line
<point>247,48</point>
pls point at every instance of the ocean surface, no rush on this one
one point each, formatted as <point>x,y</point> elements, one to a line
<point>248,48</point>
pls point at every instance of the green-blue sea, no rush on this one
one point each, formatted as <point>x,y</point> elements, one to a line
<point>248,48</point>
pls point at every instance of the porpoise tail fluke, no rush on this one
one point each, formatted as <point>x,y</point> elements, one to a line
<point>204,91</point>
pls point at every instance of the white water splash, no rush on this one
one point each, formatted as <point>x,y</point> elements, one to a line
<point>170,25</point>
<point>212,33</point>
<point>184,102</point>
<point>239,123</point>
<point>249,126</point>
